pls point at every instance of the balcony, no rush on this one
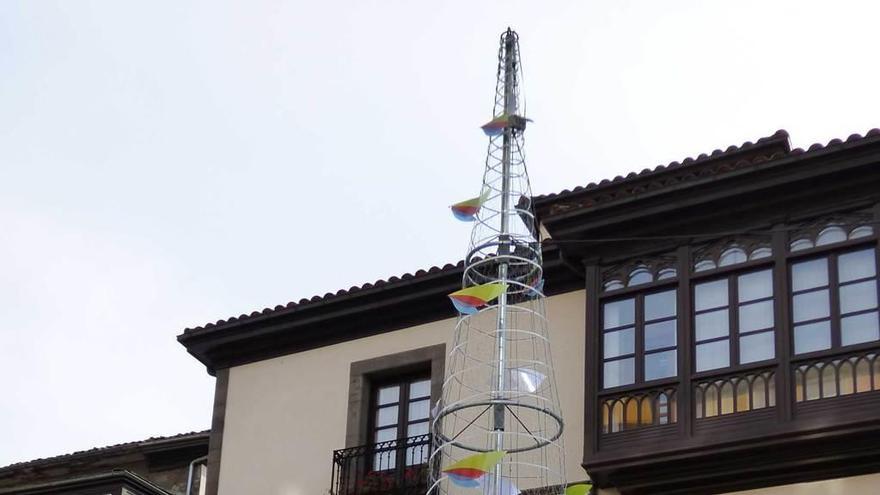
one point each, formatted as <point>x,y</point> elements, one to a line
<point>398,467</point>
<point>811,418</point>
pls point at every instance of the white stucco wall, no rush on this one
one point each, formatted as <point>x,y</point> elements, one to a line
<point>286,416</point>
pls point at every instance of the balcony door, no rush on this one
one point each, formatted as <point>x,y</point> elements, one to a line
<point>400,422</point>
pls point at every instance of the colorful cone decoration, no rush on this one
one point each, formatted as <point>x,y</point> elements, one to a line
<point>471,299</point>
<point>503,487</point>
<point>467,210</point>
<point>468,471</point>
<point>579,489</point>
<point>496,126</point>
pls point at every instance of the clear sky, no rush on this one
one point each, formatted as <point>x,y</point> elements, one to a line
<point>168,163</point>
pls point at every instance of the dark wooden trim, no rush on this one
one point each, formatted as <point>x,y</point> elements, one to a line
<point>685,342</point>
<point>364,375</point>
<point>593,359</point>
<point>218,420</point>
<point>394,305</point>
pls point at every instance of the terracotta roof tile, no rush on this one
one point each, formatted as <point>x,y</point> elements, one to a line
<point>104,450</point>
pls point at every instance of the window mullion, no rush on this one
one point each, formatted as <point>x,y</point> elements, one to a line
<point>834,294</point>
<point>639,336</point>
<point>733,318</point>
<point>684,341</point>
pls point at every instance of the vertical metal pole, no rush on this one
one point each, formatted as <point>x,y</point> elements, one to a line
<point>504,242</point>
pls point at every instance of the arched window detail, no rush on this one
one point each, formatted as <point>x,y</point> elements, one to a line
<point>640,275</point>
<point>729,252</point>
<point>831,235</point>
<point>831,230</point>
<point>732,256</point>
<point>639,272</point>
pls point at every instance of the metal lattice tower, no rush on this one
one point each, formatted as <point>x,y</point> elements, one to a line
<point>500,392</point>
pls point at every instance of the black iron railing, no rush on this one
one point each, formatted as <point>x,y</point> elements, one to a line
<point>397,467</point>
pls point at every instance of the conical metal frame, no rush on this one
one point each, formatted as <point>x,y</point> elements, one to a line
<point>500,391</point>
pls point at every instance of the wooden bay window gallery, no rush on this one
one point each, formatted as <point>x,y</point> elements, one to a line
<point>744,307</point>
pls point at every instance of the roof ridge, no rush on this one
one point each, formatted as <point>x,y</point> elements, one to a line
<point>781,136</point>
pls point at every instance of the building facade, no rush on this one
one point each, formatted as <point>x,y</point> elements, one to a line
<point>714,328</point>
<point>156,466</point>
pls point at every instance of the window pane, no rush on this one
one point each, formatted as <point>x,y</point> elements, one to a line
<point>386,416</point>
<point>712,324</point>
<point>811,305</point>
<point>732,256</point>
<point>857,297</point>
<point>389,395</point>
<point>713,355</point>
<point>619,343</point>
<point>856,265</point>
<point>619,313</point>
<point>417,429</point>
<point>660,365</point>
<point>756,285</point>
<point>860,328</point>
<point>755,316</point>
<point>660,305</point>
<point>659,335</point>
<point>386,434</point>
<point>618,373</point>
<point>711,295</point>
<point>640,276</point>
<point>419,409</point>
<point>812,337</point>
<point>756,347</point>
<point>809,274</point>
<point>830,235</point>
<point>421,388</point>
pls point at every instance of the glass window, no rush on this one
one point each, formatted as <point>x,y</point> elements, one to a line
<point>732,256</point>
<point>859,329</point>
<point>809,274</point>
<point>628,359</point>
<point>400,410</point>
<point>659,335</point>
<point>757,285</point>
<point>711,294</point>
<point>755,316</point>
<point>619,372</point>
<point>743,302</point>
<point>811,305</point>
<point>812,337</point>
<point>713,355</point>
<point>619,313</point>
<point>660,305</point>
<point>389,395</point>
<point>619,343</point>
<point>854,281</point>
<point>712,324</point>
<point>660,365</point>
<point>856,265</point>
<point>756,347</point>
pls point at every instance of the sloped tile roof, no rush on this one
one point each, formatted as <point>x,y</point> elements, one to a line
<point>107,450</point>
<point>764,149</point>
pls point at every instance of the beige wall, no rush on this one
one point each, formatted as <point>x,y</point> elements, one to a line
<point>856,485</point>
<point>286,416</point>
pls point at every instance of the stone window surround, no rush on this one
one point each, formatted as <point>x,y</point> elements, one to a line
<point>364,373</point>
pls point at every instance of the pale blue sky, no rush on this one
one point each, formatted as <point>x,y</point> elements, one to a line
<point>168,163</point>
